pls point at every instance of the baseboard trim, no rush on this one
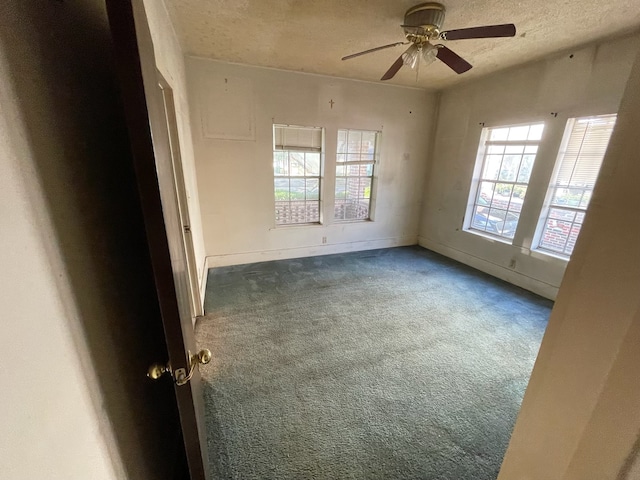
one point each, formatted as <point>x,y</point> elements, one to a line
<point>528,283</point>
<point>213,261</point>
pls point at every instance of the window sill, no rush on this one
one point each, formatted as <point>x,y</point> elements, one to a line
<point>549,253</point>
<point>342,222</point>
<point>297,225</point>
<point>488,236</point>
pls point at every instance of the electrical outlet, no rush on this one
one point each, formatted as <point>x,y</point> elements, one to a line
<point>512,263</point>
<point>324,240</point>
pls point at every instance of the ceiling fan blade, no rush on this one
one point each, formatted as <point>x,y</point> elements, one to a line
<point>394,69</point>
<point>452,59</point>
<point>490,31</point>
<point>371,50</point>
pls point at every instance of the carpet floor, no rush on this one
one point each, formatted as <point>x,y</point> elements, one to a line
<point>385,364</point>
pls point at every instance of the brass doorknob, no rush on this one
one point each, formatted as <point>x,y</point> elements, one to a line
<point>180,375</point>
<point>156,371</point>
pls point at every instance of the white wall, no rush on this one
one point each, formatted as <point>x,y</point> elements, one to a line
<point>588,83</point>
<point>233,109</point>
<point>170,63</point>
<point>580,418</point>
<point>50,426</point>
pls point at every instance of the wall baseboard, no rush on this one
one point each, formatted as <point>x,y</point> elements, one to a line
<point>528,283</point>
<point>310,251</point>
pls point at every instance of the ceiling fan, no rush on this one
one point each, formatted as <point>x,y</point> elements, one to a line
<point>422,25</point>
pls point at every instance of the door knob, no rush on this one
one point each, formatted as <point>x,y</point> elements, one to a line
<point>180,375</point>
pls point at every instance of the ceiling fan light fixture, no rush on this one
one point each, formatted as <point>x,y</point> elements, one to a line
<point>411,57</point>
<point>429,53</point>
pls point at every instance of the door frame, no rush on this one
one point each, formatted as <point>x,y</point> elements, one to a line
<point>182,196</point>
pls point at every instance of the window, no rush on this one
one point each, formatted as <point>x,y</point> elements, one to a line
<point>297,169</point>
<point>355,159</point>
<point>505,159</point>
<point>579,160</point>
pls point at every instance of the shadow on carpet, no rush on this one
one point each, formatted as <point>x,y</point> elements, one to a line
<point>385,364</point>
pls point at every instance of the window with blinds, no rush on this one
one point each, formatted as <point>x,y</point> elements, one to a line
<point>297,170</point>
<point>505,160</point>
<point>356,157</point>
<point>581,153</point>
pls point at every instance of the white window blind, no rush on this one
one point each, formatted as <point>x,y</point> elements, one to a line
<point>577,167</point>
<point>297,138</point>
<point>297,169</point>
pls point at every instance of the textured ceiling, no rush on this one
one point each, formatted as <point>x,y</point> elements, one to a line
<point>312,35</point>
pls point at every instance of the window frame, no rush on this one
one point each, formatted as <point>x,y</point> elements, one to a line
<point>478,174</point>
<point>347,163</point>
<point>320,177</point>
<point>553,186</point>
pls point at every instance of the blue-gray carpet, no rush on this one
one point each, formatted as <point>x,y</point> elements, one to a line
<point>385,364</point>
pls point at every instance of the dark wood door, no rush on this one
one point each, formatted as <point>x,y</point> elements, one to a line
<point>149,137</point>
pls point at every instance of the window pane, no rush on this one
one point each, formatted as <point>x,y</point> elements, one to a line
<point>281,188</point>
<point>495,149</point>
<point>353,185</point>
<point>296,164</point>
<point>525,168</point>
<point>313,189</point>
<point>514,150</point>
<point>535,132</point>
<point>479,219</point>
<point>341,171</point>
<point>485,196</point>
<point>517,198</point>
<point>560,214</point>
<point>369,141</point>
<point>312,164</point>
<point>499,134</point>
<point>368,170</point>
<point>297,189</point>
<point>509,168</point>
<point>342,141</point>
<point>518,133</point>
<point>510,225</point>
<point>492,167</point>
<point>280,163</point>
<point>495,221</point>
<point>341,188</point>
<point>341,157</point>
<point>586,198</point>
<point>365,187</point>
<point>355,140</point>
<point>502,195</point>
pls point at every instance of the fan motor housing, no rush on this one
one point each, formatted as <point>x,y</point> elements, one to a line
<point>429,17</point>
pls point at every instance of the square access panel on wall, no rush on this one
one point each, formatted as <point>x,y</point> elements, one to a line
<point>227,111</point>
